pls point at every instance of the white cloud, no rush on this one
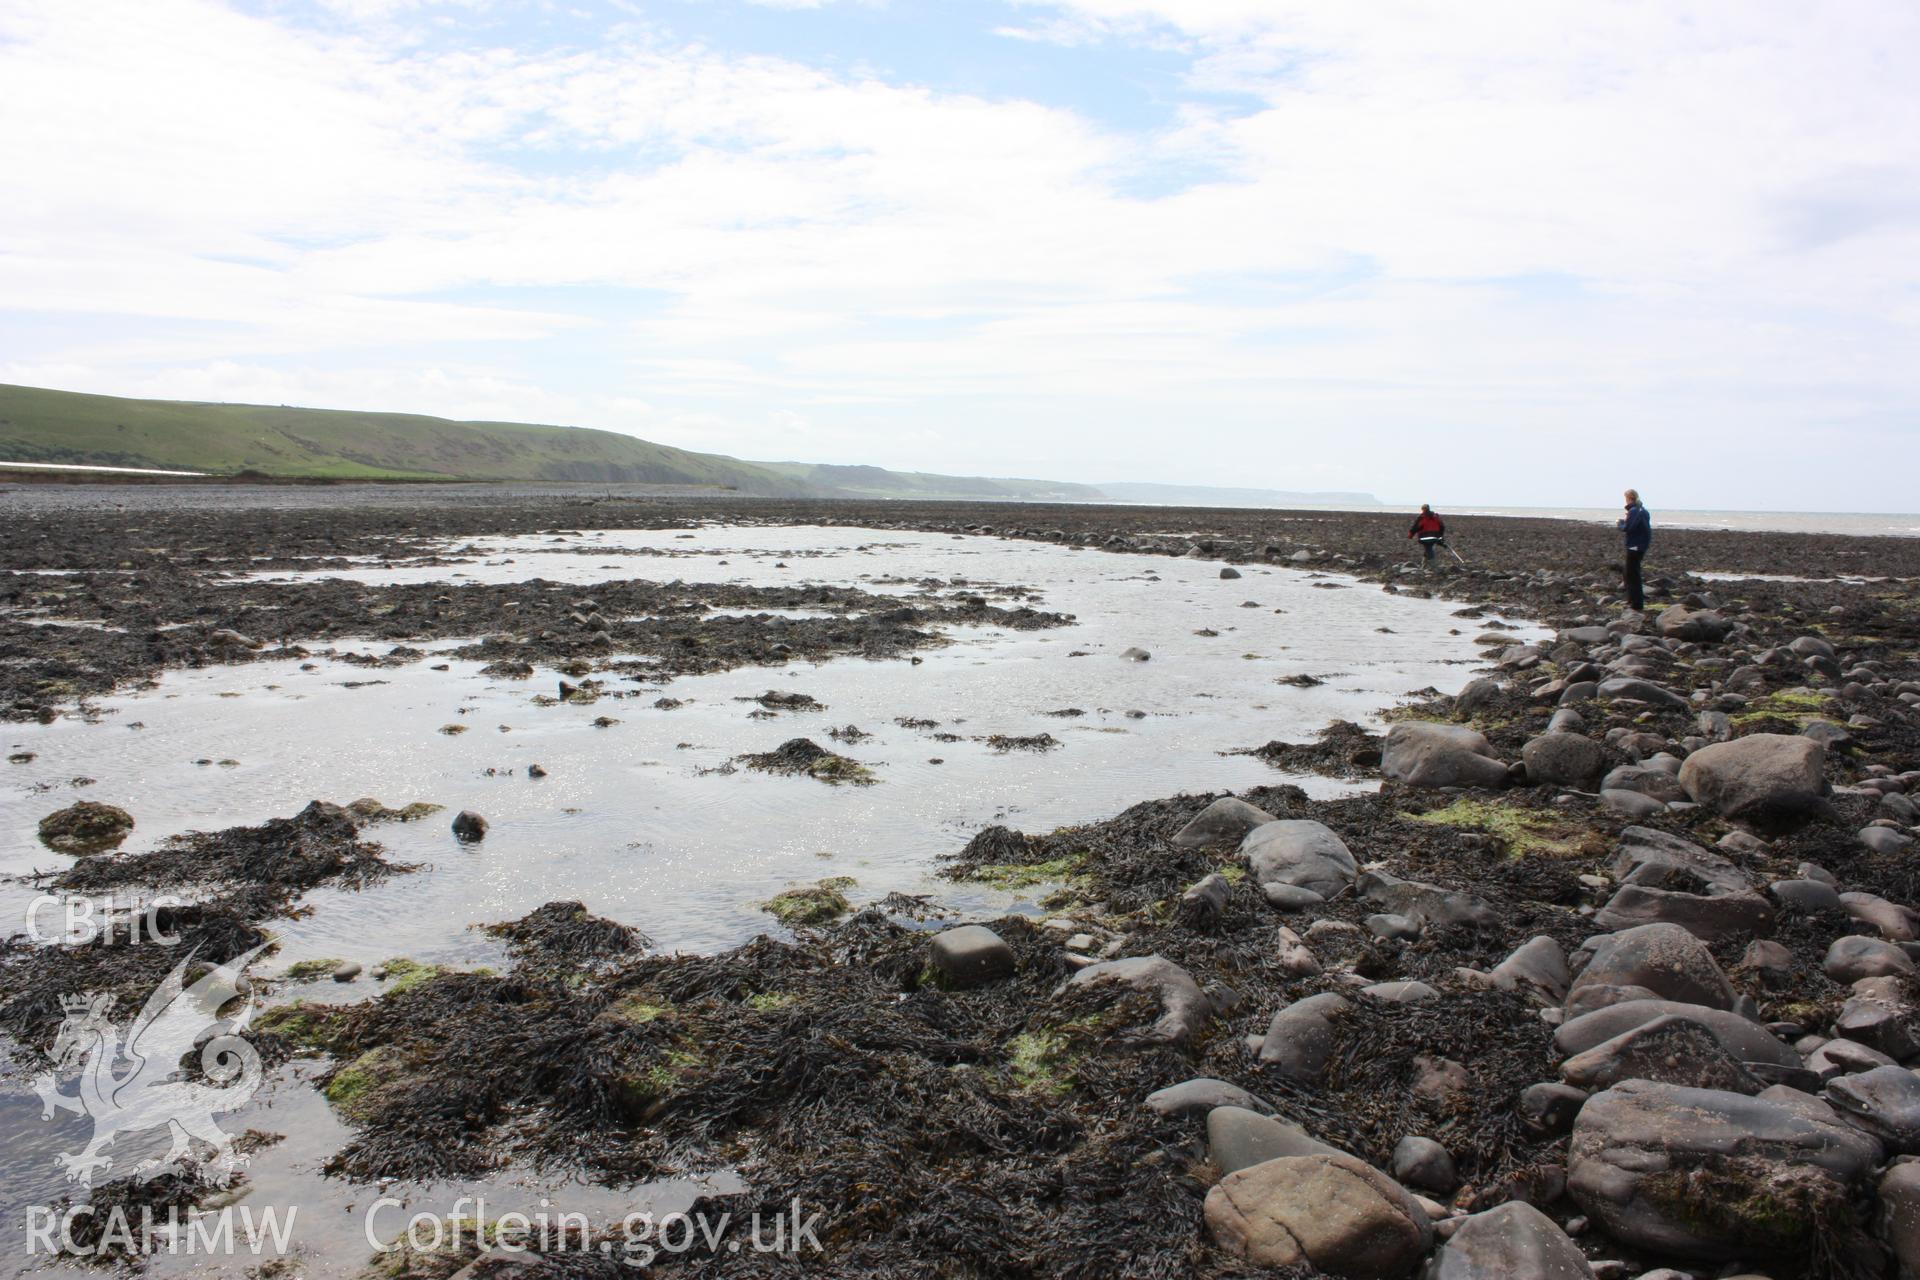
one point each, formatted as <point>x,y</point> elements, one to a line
<point>1536,228</point>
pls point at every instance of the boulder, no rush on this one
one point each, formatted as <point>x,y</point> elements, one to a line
<point>1766,778</point>
<point>1425,1164</point>
<point>1709,918</point>
<point>1638,690</point>
<point>1745,1040</point>
<point>1184,1009</point>
<point>1881,1014</point>
<point>1548,1109</point>
<point>1853,957</point>
<point>1477,694</point>
<point>1300,1039</point>
<point>1890,918</point>
<point>1672,1048</point>
<point>1563,760</point>
<point>1702,1173</point>
<point>1655,783</point>
<point>1806,897</point>
<point>1513,1241</point>
<point>1898,1222</point>
<point>970,956</point>
<point>1203,1093</point>
<point>1333,1213</point>
<point>1225,821</point>
<point>1298,852</point>
<point>1702,626</point>
<point>86,827</point>
<point>1883,1102</point>
<point>1662,860</point>
<point>1632,804</point>
<point>1239,1138</point>
<point>1665,959</point>
<point>1422,754</point>
<point>1538,963</point>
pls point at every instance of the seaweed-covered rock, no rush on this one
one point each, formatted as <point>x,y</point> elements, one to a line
<point>1184,1008</point>
<point>1334,1213</point>
<point>1425,904</point>
<point>1703,1173</point>
<point>1710,917</point>
<point>1744,1039</point>
<point>1672,1048</point>
<point>86,827</point>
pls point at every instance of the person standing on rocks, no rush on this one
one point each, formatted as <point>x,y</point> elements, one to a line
<point>1637,528</point>
<point>1430,529</point>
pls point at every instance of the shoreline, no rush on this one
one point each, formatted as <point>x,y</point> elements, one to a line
<point>1047,1078</point>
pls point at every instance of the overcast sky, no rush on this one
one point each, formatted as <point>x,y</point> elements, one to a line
<point>1479,252</point>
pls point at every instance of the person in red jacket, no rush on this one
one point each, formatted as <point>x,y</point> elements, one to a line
<point>1430,529</point>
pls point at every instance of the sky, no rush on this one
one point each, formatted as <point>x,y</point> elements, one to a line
<point>1526,252</point>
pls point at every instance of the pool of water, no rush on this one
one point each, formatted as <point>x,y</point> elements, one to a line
<point>644,817</point>
<point>645,821</point>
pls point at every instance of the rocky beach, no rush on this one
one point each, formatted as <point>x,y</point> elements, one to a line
<point>1594,958</point>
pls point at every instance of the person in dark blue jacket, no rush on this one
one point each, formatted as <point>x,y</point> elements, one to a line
<point>1637,528</point>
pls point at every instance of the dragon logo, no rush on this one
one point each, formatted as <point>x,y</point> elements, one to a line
<point>142,1084</point>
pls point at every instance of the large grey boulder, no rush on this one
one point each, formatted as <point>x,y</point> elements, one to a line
<point>1239,1138</point>
<point>1300,1040</point>
<point>1298,852</point>
<point>1764,778</point>
<point>1333,1213</point>
<point>1744,1039</point>
<point>1702,1173</point>
<point>1710,918</point>
<point>1672,1048</point>
<point>1422,754</point>
<point>1425,904</point>
<point>1184,1008</point>
<point>1665,959</point>
<point>1513,1241</point>
<point>1884,1102</point>
<point>1225,821</point>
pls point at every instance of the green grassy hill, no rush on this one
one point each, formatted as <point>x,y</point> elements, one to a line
<point>878,482</point>
<point>224,439</point>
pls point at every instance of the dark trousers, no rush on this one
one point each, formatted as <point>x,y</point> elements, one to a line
<point>1636,595</point>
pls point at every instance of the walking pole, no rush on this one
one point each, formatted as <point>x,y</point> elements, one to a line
<point>1450,551</point>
